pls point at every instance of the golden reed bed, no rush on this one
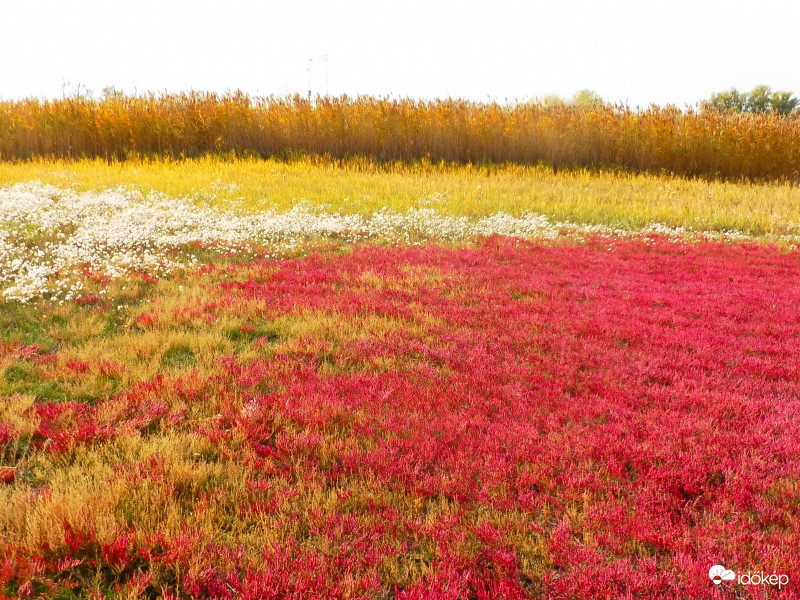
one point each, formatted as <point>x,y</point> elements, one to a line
<point>706,144</point>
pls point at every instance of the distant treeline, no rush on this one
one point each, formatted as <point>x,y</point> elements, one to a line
<point>761,99</point>
<point>705,143</point>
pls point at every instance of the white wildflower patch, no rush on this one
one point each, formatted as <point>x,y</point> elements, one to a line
<point>54,240</point>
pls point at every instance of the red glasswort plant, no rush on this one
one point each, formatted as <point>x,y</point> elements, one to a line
<point>605,420</point>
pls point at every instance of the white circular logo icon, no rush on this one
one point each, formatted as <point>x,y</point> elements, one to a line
<point>718,574</point>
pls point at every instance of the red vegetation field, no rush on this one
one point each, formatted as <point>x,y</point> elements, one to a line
<point>605,420</point>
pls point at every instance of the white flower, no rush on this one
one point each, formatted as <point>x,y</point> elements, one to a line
<point>120,231</point>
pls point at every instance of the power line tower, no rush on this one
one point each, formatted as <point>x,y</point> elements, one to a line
<point>311,59</point>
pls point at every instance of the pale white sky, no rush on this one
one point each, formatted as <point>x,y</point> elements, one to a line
<point>639,51</point>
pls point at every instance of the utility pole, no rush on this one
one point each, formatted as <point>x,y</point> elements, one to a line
<point>308,69</point>
<point>326,74</point>
<point>311,59</point>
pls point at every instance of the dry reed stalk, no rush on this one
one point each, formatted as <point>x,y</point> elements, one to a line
<point>694,144</point>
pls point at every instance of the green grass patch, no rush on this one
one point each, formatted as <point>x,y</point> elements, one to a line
<point>178,357</point>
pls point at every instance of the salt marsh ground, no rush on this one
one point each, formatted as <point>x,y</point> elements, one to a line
<point>227,378</point>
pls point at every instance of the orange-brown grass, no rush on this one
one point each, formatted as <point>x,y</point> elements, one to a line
<point>708,144</point>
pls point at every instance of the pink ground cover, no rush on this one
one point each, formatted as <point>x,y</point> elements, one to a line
<point>608,419</point>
